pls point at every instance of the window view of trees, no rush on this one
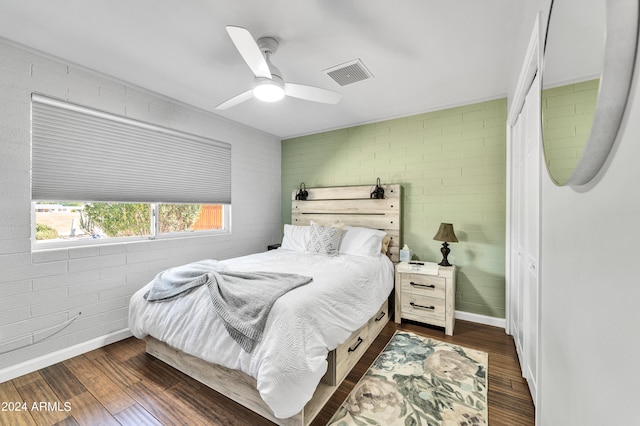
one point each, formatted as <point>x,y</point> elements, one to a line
<point>60,221</point>
<point>45,232</point>
<point>178,217</point>
<point>116,219</point>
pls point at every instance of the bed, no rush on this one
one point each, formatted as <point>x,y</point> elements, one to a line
<point>325,325</point>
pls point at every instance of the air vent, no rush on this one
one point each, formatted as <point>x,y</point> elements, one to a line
<point>349,72</point>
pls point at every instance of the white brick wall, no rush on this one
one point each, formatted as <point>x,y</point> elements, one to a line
<point>42,289</point>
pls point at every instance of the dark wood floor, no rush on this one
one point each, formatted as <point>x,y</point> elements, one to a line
<point>121,385</point>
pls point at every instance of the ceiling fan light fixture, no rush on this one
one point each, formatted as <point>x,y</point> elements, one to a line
<point>269,86</point>
<point>268,91</point>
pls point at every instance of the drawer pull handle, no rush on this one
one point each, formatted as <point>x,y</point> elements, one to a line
<point>415,305</point>
<point>422,285</point>
<point>356,346</point>
<point>382,314</point>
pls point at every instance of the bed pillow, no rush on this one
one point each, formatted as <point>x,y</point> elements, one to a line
<point>324,240</point>
<point>359,241</point>
<point>296,237</point>
<point>385,243</point>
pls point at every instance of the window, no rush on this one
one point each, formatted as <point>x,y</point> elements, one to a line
<point>189,217</point>
<point>64,222</point>
<point>142,180</point>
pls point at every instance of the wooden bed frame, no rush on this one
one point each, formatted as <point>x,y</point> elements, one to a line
<point>350,205</point>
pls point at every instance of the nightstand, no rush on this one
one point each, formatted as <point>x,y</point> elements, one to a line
<point>425,292</point>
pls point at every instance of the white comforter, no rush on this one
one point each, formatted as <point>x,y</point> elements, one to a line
<point>303,326</point>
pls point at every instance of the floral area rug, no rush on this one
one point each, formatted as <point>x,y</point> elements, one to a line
<point>419,381</point>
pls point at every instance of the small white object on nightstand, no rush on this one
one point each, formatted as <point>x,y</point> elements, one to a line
<point>405,254</point>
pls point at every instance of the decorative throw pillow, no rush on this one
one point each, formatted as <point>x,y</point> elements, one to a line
<point>324,240</point>
<point>385,243</point>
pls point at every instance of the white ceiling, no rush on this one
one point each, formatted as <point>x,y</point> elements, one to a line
<point>424,54</point>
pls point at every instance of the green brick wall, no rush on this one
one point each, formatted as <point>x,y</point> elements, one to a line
<point>567,116</point>
<point>452,166</point>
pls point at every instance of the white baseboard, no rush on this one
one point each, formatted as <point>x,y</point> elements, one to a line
<point>482,319</point>
<point>35,364</point>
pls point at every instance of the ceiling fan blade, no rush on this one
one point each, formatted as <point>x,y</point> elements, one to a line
<point>249,50</point>
<point>311,93</point>
<point>245,96</point>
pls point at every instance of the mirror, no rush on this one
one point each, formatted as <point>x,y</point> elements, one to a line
<point>589,56</point>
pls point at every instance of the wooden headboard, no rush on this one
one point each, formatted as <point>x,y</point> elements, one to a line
<point>353,206</point>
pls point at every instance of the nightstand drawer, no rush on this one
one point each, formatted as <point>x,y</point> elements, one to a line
<point>424,309</point>
<point>423,285</point>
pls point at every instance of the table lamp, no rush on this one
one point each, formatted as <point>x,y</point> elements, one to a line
<point>445,234</point>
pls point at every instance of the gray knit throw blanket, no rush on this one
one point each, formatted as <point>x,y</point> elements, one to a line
<point>242,299</point>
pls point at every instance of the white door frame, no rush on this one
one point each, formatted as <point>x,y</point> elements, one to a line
<point>531,65</point>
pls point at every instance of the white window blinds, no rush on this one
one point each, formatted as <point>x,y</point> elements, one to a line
<point>81,154</point>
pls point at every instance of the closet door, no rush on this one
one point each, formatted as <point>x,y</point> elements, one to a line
<point>532,236</point>
<point>517,249</point>
<point>517,236</point>
<point>525,235</point>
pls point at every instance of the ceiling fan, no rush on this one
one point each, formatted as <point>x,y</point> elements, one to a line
<point>269,86</point>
